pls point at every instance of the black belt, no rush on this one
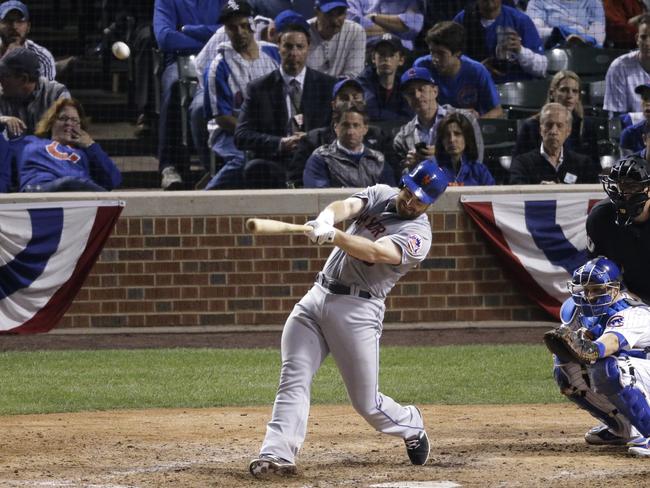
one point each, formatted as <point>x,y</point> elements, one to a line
<point>339,288</point>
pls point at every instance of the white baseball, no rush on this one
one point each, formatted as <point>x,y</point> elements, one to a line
<point>120,50</point>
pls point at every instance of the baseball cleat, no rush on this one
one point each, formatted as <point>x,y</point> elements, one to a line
<point>639,447</point>
<point>417,448</point>
<point>267,466</point>
<point>601,435</point>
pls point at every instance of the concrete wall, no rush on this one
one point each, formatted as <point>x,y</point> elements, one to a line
<point>184,259</point>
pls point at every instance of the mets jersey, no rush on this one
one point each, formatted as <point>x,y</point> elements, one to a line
<point>378,219</point>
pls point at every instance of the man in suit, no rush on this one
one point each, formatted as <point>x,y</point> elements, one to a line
<point>282,106</point>
<point>551,163</point>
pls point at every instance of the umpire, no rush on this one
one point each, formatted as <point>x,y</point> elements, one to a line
<point>619,226</point>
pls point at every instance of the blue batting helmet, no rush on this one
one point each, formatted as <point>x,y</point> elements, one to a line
<point>426,181</point>
<point>595,285</point>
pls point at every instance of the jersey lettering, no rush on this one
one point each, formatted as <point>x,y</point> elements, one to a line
<point>375,227</point>
<point>53,150</point>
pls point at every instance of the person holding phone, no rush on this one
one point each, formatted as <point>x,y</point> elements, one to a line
<point>62,156</point>
<point>416,140</point>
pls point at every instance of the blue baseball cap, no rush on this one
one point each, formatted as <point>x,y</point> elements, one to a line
<point>290,18</point>
<point>413,74</point>
<point>345,81</point>
<point>7,7</point>
<point>327,5</point>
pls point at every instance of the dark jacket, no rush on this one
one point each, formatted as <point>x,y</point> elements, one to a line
<point>531,169</point>
<point>332,167</point>
<point>375,139</point>
<point>263,119</point>
<point>379,106</point>
<point>582,140</point>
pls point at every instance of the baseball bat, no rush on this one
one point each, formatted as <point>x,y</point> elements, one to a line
<point>270,226</point>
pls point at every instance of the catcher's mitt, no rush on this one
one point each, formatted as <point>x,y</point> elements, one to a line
<point>570,346</point>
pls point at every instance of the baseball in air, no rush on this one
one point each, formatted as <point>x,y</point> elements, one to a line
<point>120,50</point>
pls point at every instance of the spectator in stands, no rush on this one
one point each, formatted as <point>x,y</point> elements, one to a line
<point>402,18</point>
<point>565,89</point>
<point>644,152</point>
<point>633,136</point>
<point>346,91</point>
<point>504,39</point>
<point>338,45</point>
<point>181,27</point>
<point>416,140</point>
<point>621,17</point>
<point>551,163</point>
<point>457,153</point>
<point>462,82</point>
<point>280,107</point>
<point>25,95</point>
<point>272,8</point>
<point>14,29</point>
<point>347,162</point>
<point>627,72</point>
<point>209,52</point>
<point>61,155</point>
<point>380,80</point>
<point>237,62</point>
<point>561,23</point>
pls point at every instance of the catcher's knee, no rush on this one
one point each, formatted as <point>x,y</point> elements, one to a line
<point>605,376</point>
<point>630,401</point>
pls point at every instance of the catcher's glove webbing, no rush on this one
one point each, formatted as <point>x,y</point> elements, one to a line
<point>569,345</point>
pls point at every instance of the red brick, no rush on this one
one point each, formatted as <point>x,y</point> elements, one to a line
<point>244,266</point>
<point>137,280</point>
<point>466,288</point>
<point>224,227</point>
<point>157,267</point>
<point>185,225</point>
<point>194,279</point>
<point>271,265</point>
<point>243,279</point>
<point>134,307</point>
<point>173,226</point>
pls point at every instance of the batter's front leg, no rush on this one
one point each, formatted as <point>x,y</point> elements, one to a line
<point>303,351</point>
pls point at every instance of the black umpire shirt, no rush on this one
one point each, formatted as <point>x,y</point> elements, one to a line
<point>628,246</point>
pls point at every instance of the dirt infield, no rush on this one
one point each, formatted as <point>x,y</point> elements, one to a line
<point>486,446</point>
<point>472,446</point>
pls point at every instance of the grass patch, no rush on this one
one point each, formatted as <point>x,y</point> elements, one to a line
<point>68,381</point>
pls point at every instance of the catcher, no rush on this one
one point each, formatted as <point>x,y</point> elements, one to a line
<point>602,356</point>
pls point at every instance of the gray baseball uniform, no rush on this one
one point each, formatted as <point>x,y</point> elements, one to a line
<point>342,314</point>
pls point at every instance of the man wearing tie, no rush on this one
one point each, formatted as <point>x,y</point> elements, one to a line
<point>282,106</point>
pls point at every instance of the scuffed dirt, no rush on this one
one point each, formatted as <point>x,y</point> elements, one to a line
<point>486,446</point>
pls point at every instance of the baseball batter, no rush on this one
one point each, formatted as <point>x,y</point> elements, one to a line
<point>601,356</point>
<point>342,314</point>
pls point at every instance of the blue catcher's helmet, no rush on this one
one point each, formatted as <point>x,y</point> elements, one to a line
<point>626,186</point>
<point>426,181</point>
<point>595,285</point>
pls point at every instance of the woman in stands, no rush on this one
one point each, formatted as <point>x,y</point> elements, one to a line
<point>457,153</point>
<point>564,89</point>
<point>61,155</point>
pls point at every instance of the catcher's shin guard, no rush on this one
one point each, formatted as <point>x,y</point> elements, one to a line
<point>573,380</point>
<point>629,400</point>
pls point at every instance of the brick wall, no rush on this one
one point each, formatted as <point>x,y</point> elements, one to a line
<point>184,259</point>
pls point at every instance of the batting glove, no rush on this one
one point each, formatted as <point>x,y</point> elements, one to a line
<point>320,232</point>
